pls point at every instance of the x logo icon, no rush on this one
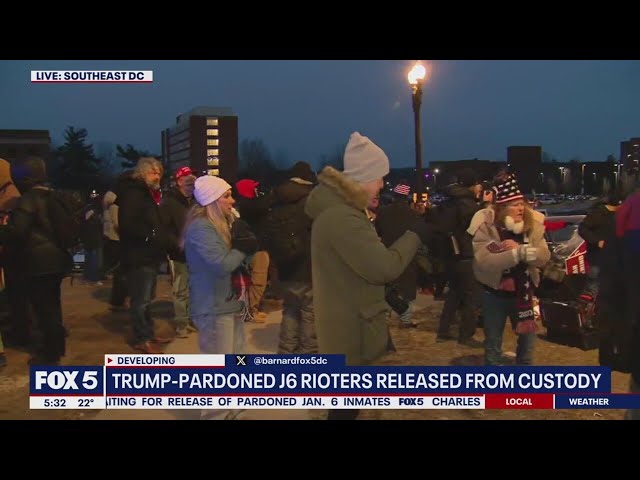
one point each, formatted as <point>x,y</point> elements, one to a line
<point>241,360</point>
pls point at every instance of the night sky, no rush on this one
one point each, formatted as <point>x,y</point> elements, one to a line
<point>303,109</point>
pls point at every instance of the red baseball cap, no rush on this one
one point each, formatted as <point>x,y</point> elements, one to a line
<point>184,172</point>
<point>247,188</point>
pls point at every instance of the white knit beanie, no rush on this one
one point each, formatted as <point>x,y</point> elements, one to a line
<point>364,161</point>
<point>209,188</point>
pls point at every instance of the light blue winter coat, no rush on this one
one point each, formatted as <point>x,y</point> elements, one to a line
<point>210,263</point>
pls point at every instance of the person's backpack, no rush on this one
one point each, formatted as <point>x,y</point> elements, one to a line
<point>67,215</point>
<point>288,232</point>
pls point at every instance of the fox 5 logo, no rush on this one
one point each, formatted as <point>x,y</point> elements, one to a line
<point>65,379</point>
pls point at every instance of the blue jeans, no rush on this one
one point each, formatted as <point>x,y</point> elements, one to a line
<point>142,288</point>
<point>93,265</point>
<point>495,311</point>
<point>180,294</point>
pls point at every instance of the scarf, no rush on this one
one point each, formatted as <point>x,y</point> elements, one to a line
<point>525,323</point>
<point>156,195</point>
<point>240,283</point>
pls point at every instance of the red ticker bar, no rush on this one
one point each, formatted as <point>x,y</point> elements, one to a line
<point>530,401</point>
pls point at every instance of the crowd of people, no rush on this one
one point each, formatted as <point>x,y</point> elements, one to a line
<point>339,260</point>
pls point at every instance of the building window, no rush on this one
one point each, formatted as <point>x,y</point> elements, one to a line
<point>212,142</point>
<point>212,132</point>
<point>213,161</point>
<point>213,171</point>
<point>212,152</point>
<point>212,122</point>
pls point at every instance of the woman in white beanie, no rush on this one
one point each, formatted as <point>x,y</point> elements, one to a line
<point>216,244</point>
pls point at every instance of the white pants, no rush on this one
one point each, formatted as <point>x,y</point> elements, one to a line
<point>221,334</point>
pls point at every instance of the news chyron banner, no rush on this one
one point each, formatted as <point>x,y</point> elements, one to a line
<point>314,382</point>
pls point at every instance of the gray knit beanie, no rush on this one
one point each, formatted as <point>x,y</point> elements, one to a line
<point>364,161</point>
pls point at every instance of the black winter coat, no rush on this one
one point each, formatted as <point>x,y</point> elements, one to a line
<point>290,198</point>
<point>616,347</point>
<point>254,212</point>
<point>456,214</point>
<point>29,239</point>
<point>392,222</point>
<point>599,224</point>
<point>143,239</point>
<point>173,213</point>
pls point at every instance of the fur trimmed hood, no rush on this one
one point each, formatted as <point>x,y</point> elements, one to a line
<point>488,216</point>
<point>335,188</point>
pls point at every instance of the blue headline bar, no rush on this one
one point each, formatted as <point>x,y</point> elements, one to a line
<point>282,379</point>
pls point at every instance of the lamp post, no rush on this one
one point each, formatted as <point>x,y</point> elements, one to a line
<point>416,80</point>
<point>582,180</point>
<point>435,178</point>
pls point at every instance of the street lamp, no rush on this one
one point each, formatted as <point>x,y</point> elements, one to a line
<point>562,172</point>
<point>416,80</point>
<point>582,180</point>
<point>435,178</point>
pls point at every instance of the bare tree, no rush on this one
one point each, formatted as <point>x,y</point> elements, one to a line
<point>334,159</point>
<point>255,160</point>
<point>130,155</point>
<point>108,163</point>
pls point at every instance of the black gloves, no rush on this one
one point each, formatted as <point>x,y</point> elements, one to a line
<point>421,229</point>
<point>242,238</point>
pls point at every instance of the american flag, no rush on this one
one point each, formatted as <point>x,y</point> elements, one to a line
<point>493,247</point>
<point>402,189</point>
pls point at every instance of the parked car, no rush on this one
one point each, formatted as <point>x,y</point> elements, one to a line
<point>561,228</point>
<point>564,275</point>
